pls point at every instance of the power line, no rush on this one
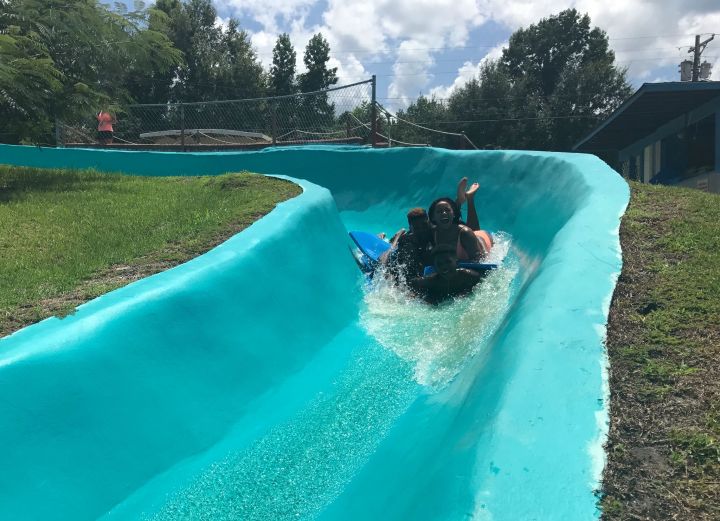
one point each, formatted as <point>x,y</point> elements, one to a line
<point>444,73</point>
<point>230,88</point>
<point>529,118</point>
<point>651,37</point>
<point>466,60</point>
<point>495,98</point>
<point>496,120</point>
<point>484,46</point>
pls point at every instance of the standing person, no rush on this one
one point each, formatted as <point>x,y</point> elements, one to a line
<point>105,127</point>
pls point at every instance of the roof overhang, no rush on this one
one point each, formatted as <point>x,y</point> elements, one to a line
<point>653,105</point>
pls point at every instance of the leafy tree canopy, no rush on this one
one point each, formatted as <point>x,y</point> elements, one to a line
<point>554,82</point>
<point>219,63</point>
<point>282,71</point>
<point>317,109</point>
<point>78,55</point>
<point>318,75</point>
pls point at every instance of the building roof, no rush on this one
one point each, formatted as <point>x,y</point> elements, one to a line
<point>653,105</point>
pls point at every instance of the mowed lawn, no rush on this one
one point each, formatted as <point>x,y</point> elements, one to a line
<point>67,236</point>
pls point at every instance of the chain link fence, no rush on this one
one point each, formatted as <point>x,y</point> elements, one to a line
<point>336,115</point>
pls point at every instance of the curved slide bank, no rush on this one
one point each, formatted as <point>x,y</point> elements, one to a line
<point>263,381</point>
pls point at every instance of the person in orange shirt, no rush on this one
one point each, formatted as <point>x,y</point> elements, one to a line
<point>105,127</point>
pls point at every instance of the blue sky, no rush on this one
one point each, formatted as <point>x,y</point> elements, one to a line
<point>433,46</point>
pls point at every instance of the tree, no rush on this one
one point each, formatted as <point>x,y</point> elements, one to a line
<point>357,121</point>
<point>569,68</point>
<point>282,71</point>
<point>540,54</point>
<point>316,110</point>
<point>554,82</point>
<point>154,84</point>
<point>86,55</point>
<point>219,64</point>
<point>481,103</point>
<point>424,111</point>
<point>28,83</point>
<point>317,76</point>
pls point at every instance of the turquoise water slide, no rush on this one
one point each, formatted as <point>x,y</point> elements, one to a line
<point>265,380</point>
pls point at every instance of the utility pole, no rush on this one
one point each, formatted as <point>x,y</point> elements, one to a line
<point>697,51</point>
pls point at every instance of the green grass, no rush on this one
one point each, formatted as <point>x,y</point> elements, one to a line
<point>664,347</point>
<point>68,231</point>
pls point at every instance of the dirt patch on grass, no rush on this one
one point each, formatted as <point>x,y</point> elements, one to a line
<point>664,347</point>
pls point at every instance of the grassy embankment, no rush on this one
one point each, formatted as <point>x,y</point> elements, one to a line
<point>664,348</point>
<point>69,236</point>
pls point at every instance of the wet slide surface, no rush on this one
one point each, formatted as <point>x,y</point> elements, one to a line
<point>265,380</point>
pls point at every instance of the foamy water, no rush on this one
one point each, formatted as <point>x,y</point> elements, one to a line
<point>438,340</point>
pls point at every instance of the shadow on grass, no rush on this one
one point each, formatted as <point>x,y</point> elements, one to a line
<point>15,182</point>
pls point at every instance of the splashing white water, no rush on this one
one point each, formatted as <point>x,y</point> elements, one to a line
<point>438,340</point>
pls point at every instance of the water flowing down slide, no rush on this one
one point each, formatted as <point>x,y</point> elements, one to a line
<point>201,393</point>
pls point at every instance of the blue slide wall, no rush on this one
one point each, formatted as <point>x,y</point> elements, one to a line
<point>256,382</point>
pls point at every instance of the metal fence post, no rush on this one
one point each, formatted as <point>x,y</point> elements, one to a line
<point>58,134</point>
<point>273,122</point>
<point>373,114</point>
<point>389,131</point>
<point>182,126</point>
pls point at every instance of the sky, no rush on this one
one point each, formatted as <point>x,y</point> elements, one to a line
<point>431,47</point>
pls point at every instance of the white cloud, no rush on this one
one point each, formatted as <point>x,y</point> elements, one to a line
<point>410,73</point>
<point>662,79</point>
<point>369,25</point>
<point>300,36</point>
<point>263,42</point>
<point>698,24</point>
<point>415,32</point>
<point>671,24</point>
<point>420,27</point>
<point>360,32</point>
<point>271,15</point>
<point>355,26</point>
<point>431,22</point>
<point>467,72</point>
<point>521,13</point>
<point>222,23</point>
<point>350,70</point>
<point>624,21</point>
